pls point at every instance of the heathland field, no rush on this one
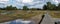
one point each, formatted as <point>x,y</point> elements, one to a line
<point>20,14</point>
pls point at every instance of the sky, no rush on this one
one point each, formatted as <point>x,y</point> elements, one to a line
<point>29,3</point>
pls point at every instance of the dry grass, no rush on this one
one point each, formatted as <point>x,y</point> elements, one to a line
<point>55,14</point>
<point>19,14</point>
<point>26,14</point>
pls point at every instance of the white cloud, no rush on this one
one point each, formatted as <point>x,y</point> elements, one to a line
<point>27,1</point>
<point>4,1</point>
<point>37,2</point>
<point>33,3</point>
<point>20,4</point>
<point>19,0</point>
<point>37,6</point>
<point>56,1</point>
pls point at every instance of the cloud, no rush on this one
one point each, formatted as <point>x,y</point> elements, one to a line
<point>3,1</point>
<point>37,6</point>
<point>56,1</point>
<point>27,1</point>
<point>20,4</point>
<point>19,1</point>
<point>37,2</point>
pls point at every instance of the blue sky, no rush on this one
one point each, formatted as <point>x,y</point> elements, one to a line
<point>29,3</point>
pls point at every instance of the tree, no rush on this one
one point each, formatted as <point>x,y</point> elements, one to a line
<point>2,8</point>
<point>25,8</point>
<point>33,9</point>
<point>49,5</point>
<point>58,7</point>
<point>54,7</point>
<point>44,7</point>
<point>14,8</point>
<point>11,8</point>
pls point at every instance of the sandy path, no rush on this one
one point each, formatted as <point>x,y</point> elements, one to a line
<point>36,19</point>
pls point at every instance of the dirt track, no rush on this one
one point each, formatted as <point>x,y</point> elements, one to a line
<point>36,19</point>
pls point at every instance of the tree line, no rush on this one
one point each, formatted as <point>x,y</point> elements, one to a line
<point>15,8</point>
<point>50,6</point>
<point>47,6</point>
<point>9,8</point>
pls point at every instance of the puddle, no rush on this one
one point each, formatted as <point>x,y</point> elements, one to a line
<point>18,21</point>
<point>3,13</point>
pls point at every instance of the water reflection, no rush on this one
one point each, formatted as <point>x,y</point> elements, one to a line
<point>21,22</point>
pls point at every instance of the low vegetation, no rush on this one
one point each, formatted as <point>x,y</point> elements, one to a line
<point>55,14</point>
<point>19,14</point>
<point>11,13</point>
